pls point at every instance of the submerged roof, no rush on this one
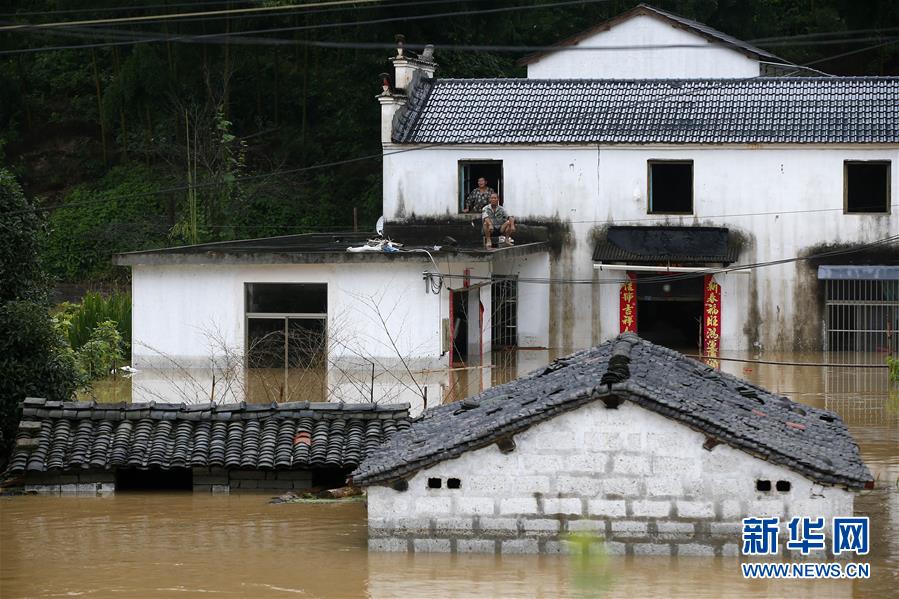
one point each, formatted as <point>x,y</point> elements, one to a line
<point>701,29</point>
<point>315,248</point>
<point>56,435</point>
<point>658,243</point>
<point>678,111</point>
<point>813,442</point>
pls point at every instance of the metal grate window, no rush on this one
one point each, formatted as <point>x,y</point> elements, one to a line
<point>504,299</point>
<point>860,319</point>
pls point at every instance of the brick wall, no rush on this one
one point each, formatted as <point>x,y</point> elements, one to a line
<point>642,482</point>
<point>86,482</point>
<point>220,480</point>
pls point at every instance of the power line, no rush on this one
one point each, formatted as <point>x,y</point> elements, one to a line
<point>140,38</point>
<point>170,16</point>
<point>682,276</point>
<point>122,8</point>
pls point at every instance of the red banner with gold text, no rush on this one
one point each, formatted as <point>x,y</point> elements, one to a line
<point>711,321</point>
<point>628,305</point>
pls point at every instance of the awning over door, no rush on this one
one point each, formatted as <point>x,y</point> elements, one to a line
<point>854,272</point>
<point>655,244</point>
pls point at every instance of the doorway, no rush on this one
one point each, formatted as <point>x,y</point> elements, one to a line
<point>669,312</point>
<point>459,324</point>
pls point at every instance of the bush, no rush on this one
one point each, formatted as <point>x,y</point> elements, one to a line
<point>34,358</point>
<point>117,214</point>
<point>79,321</point>
<point>101,353</point>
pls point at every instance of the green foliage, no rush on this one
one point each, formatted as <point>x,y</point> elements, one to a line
<point>117,214</point>
<point>78,322</point>
<point>20,226</point>
<point>893,364</point>
<point>102,352</point>
<point>119,116</point>
<point>34,358</point>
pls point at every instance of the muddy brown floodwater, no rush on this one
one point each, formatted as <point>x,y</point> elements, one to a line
<point>184,545</point>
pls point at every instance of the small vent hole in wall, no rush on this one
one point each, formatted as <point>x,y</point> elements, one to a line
<point>434,483</point>
<point>783,486</point>
<point>763,485</point>
<point>453,483</point>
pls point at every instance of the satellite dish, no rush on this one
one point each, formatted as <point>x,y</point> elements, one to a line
<point>379,226</point>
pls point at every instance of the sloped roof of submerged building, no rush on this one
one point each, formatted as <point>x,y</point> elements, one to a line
<point>813,442</point>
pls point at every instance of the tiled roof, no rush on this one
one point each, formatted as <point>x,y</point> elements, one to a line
<point>687,111</point>
<point>813,442</point>
<point>654,244</point>
<point>709,33</point>
<point>57,435</point>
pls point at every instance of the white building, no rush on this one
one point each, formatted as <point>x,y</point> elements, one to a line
<point>625,153</point>
<point>299,317</point>
<point>625,165</point>
<point>629,441</point>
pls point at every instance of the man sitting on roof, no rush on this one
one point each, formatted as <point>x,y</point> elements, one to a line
<point>497,219</point>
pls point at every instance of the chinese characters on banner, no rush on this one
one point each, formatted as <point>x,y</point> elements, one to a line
<point>711,321</point>
<point>628,303</point>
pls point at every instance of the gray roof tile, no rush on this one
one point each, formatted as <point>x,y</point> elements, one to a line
<point>811,441</point>
<point>87,434</point>
<point>684,111</point>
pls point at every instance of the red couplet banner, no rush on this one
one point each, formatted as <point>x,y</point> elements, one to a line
<point>628,305</point>
<point>711,320</point>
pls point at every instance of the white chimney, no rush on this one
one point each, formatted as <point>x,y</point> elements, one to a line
<point>408,70</point>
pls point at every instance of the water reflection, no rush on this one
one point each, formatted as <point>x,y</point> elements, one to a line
<point>156,545</point>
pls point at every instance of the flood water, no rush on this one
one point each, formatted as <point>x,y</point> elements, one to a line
<point>183,545</point>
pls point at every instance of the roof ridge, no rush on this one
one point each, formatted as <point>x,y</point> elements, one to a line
<point>722,80</point>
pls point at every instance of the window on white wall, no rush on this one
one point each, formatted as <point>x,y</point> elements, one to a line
<point>286,341</point>
<point>866,187</point>
<point>670,186</point>
<point>470,173</point>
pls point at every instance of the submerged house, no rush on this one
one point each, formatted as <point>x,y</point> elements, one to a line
<point>635,443</point>
<point>89,448</point>
<point>622,167</point>
<point>698,153</point>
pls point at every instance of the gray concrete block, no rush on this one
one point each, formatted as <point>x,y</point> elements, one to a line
<point>388,544</point>
<point>246,474</point>
<point>542,526</point>
<point>651,549</point>
<point>520,546</point>
<point>432,545</point>
<point>475,546</point>
<point>695,549</point>
<point>629,528</point>
<point>221,489</point>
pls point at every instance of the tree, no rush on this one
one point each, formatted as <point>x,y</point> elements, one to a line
<point>34,359</point>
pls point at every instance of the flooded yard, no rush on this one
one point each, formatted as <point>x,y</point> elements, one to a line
<point>163,544</point>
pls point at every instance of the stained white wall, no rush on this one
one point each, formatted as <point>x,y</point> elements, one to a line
<point>631,475</point>
<point>176,307</point>
<point>783,199</point>
<point>709,61</point>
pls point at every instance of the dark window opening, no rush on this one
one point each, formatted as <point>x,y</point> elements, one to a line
<point>504,302</point>
<point>670,187</point>
<point>763,485</point>
<point>783,486</point>
<point>435,483</point>
<point>453,483</point>
<point>286,341</point>
<point>459,326</point>
<point>867,187</point>
<point>287,298</point>
<point>329,478</point>
<point>471,171</point>
<point>670,313</point>
<point>154,479</point>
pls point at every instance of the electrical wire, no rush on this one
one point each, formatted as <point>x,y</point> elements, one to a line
<point>171,16</point>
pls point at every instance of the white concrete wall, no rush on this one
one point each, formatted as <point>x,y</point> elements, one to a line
<point>175,307</point>
<point>784,199</point>
<point>709,61</point>
<point>638,479</point>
